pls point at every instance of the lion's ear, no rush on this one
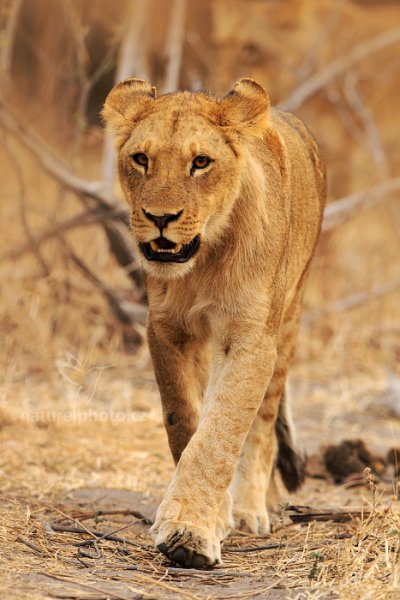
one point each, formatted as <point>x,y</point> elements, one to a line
<point>125,101</point>
<point>246,106</point>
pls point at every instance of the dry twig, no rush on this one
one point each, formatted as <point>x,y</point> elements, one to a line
<point>96,534</point>
<point>341,210</point>
<point>85,218</point>
<point>338,66</point>
<point>305,514</point>
<point>359,298</point>
<point>14,160</point>
<point>32,546</point>
<point>126,312</point>
<point>116,233</point>
<point>100,513</point>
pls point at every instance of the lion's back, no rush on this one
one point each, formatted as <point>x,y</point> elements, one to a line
<point>307,190</point>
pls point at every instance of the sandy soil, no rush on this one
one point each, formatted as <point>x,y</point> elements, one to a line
<point>93,440</point>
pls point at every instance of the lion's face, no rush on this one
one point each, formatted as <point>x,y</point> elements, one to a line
<point>178,174</point>
<point>180,166</point>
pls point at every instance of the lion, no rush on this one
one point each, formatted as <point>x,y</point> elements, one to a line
<point>226,197</point>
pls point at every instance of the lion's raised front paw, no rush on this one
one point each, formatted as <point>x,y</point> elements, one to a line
<point>252,521</point>
<point>186,544</point>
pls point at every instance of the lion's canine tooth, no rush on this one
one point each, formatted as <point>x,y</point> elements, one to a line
<point>178,248</point>
<point>154,246</point>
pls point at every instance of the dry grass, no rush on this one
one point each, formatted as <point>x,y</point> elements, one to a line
<point>79,410</point>
<point>60,465</point>
<point>80,420</point>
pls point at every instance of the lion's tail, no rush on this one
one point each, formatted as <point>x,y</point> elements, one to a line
<point>291,460</point>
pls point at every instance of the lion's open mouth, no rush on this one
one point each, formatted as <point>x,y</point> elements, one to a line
<point>162,250</point>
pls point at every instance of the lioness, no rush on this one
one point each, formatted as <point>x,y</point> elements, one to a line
<point>227,197</point>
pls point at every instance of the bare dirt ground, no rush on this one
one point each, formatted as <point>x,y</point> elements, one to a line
<point>91,440</point>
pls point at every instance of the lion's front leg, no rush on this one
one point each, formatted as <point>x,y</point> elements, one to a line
<point>181,369</point>
<point>187,527</point>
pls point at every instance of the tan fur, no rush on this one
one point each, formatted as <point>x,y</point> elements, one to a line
<point>222,326</point>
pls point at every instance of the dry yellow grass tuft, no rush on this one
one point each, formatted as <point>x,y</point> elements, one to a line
<point>71,451</point>
<point>80,421</point>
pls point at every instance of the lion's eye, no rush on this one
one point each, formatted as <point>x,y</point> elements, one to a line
<point>200,162</point>
<point>140,159</point>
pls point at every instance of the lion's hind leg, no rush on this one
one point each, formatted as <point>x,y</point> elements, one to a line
<point>271,441</point>
<point>251,480</point>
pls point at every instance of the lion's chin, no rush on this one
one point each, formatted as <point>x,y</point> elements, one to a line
<point>167,271</point>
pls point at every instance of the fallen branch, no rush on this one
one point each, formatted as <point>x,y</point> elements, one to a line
<point>86,190</point>
<point>14,160</point>
<point>98,534</point>
<point>341,210</point>
<point>49,161</point>
<point>258,548</point>
<point>370,127</point>
<point>207,573</point>
<point>305,514</point>
<point>355,300</point>
<point>100,513</point>
<point>45,553</point>
<point>32,546</point>
<point>126,312</point>
<point>87,217</point>
<point>339,66</point>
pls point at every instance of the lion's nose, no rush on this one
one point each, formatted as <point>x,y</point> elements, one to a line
<point>162,220</point>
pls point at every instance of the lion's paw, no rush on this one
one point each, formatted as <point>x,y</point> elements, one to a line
<point>187,545</point>
<point>252,521</point>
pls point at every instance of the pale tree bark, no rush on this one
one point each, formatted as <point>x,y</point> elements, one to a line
<point>174,46</point>
<point>131,63</point>
<point>9,34</point>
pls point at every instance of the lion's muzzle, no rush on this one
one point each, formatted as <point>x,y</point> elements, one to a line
<point>163,250</point>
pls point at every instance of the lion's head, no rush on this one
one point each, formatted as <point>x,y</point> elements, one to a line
<point>180,163</point>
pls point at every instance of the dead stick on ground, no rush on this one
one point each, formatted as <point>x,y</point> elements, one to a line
<point>81,525</point>
<point>96,534</point>
<point>32,546</point>
<point>46,553</point>
<point>207,573</point>
<point>247,549</point>
<point>304,514</point>
<point>113,531</point>
<point>125,511</point>
<point>293,547</point>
